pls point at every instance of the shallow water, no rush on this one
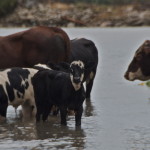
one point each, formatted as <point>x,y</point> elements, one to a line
<point>117,118</point>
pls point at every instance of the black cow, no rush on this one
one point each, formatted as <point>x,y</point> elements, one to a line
<point>16,89</point>
<point>86,51</point>
<point>64,90</point>
<point>139,68</point>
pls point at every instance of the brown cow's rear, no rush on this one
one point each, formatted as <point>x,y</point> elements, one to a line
<point>36,45</point>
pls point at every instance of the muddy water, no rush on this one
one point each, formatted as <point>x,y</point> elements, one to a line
<point>117,118</point>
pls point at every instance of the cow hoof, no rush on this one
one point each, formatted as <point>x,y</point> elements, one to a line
<point>63,123</point>
<point>88,99</point>
<point>78,124</point>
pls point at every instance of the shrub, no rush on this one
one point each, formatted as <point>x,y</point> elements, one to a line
<point>7,6</point>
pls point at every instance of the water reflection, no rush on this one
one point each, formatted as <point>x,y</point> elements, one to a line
<point>62,136</point>
<point>138,138</point>
<point>47,135</point>
<point>89,108</point>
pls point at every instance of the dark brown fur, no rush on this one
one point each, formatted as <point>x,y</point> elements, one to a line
<point>36,45</point>
<point>141,61</point>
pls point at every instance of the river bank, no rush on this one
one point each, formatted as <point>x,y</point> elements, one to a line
<point>79,15</point>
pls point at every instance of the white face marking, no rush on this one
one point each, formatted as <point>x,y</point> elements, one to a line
<point>43,66</point>
<point>137,75</point>
<point>75,85</point>
<point>78,62</point>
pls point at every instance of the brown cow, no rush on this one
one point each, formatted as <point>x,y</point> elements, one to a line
<point>139,68</point>
<point>36,45</point>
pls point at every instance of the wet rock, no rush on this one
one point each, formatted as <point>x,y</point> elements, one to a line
<point>51,15</point>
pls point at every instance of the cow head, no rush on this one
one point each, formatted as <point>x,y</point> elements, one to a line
<point>139,68</point>
<point>77,73</point>
<point>75,69</point>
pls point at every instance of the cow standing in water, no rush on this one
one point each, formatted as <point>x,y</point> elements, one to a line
<point>16,89</point>
<point>39,44</point>
<point>86,51</point>
<point>139,68</point>
<point>64,90</point>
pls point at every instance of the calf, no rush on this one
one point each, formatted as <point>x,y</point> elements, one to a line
<point>139,68</point>
<point>16,89</point>
<point>64,90</point>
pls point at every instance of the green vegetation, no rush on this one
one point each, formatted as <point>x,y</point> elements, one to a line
<point>148,83</point>
<point>6,6</point>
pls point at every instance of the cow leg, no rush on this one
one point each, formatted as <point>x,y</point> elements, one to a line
<point>38,114</point>
<point>46,112</point>
<point>63,114</point>
<point>55,110</point>
<point>3,112</point>
<point>89,85</point>
<point>78,116</point>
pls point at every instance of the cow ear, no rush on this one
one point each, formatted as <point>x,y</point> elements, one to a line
<point>53,66</point>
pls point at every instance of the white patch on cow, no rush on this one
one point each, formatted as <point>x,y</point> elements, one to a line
<point>91,75</point>
<point>76,86</point>
<point>4,79</point>
<point>78,62</point>
<point>82,76</point>
<point>17,101</point>
<point>138,75</point>
<point>43,66</point>
<point>28,95</point>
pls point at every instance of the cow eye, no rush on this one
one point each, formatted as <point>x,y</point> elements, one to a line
<point>71,70</point>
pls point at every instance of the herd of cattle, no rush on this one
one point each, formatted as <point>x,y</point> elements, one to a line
<point>41,68</point>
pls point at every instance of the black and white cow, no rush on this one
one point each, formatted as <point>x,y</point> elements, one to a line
<point>64,90</point>
<point>16,89</point>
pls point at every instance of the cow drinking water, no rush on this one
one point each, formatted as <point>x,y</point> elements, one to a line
<point>139,68</point>
<point>16,89</point>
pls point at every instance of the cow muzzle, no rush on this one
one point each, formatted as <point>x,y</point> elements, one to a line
<point>126,76</point>
<point>130,76</point>
<point>76,80</point>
